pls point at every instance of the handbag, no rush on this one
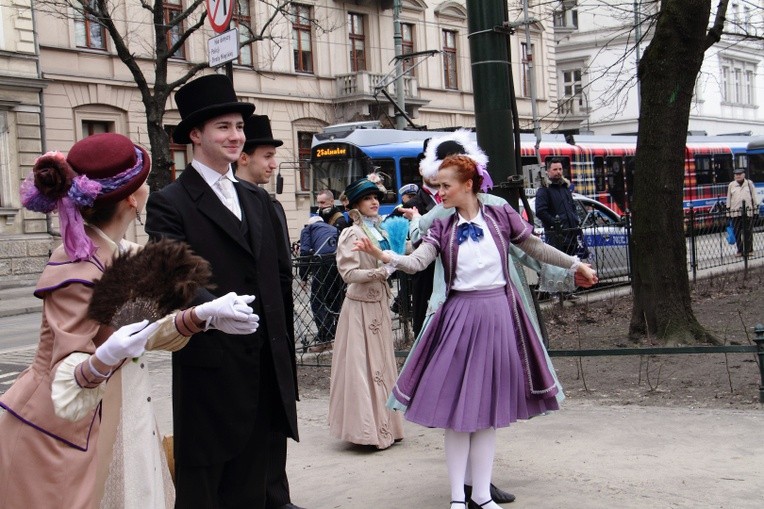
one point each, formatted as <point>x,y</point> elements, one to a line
<point>730,234</point>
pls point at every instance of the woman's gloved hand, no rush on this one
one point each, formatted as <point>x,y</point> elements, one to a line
<point>127,341</point>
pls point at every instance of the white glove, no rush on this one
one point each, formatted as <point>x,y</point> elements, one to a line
<point>127,341</point>
<point>230,314</point>
<point>231,326</point>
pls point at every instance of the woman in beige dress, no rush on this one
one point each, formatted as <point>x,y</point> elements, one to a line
<point>363,362</point>
<point>60,434</point>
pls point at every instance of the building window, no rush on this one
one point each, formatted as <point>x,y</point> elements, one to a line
<point>449,60</point>
<point>734,18</point>
<point>90,127</point>
<point>304,141</point>
<point>572,100</point>
<point>178,152</point>
<point>243,22</point>
<point>407,45</point>
<point>87,32</point>
<point>527,61</point>
<point>357,41</point>
<point>738,82</point>
<point>172,10</point>
<point>301,38</point>
<point>567,15</point>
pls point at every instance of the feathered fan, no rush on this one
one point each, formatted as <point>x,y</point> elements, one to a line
<point>148,284</point>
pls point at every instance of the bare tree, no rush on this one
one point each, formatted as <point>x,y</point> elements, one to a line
<point>667,72</point>
<point>169,37</point>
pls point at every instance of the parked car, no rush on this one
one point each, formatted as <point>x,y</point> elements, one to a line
<point>604,233</point>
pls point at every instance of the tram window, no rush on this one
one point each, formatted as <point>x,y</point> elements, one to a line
<point>385,168</point>
<point>722,168</point>
<point>410,171</point>
<point>615,181</point>
<point>600,182</point>
<point>741,161</point>
<point>703,171</point>
<point>756,167</point>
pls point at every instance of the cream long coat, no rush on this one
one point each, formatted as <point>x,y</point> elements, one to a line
<point>363,363</point>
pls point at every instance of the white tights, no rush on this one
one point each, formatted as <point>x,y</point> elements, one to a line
<point>475,450</point>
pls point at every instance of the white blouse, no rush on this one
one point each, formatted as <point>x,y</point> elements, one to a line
<point>478,264</point>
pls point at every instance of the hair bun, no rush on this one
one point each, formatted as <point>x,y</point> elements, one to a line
<point>53,175</point>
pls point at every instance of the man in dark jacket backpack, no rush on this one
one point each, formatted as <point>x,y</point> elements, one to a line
<point>318,243</point>
<point>329,212</point>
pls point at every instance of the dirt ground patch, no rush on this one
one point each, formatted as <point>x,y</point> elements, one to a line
<point>728,305</point>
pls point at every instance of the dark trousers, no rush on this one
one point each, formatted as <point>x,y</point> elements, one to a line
<point>421,289</point>
<point>743,227</point>
<point>277,486</point>
<point>239,482</point>
<point>326,296</point>
<point>565,240</point>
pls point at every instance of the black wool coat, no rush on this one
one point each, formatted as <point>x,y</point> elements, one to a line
<point>216,376</point>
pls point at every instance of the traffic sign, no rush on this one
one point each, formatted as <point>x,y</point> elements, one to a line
<point>223,48</point>
<point>219,13</point>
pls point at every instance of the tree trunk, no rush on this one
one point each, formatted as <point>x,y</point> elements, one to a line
<point>161,157</point>
<point>667,73</point>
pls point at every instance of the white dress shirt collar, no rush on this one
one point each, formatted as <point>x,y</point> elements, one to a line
<point>211,176</point>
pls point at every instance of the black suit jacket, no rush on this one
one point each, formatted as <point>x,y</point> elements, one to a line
<point>422,281</point>
<point>216,377</point>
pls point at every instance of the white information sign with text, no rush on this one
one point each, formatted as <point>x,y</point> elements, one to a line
<point>223,48</point>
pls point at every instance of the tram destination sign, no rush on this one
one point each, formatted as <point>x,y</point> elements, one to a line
<point>223,48</point>
<point>331,151</point>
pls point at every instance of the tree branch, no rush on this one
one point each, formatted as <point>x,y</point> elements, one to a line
<point>714,34</point>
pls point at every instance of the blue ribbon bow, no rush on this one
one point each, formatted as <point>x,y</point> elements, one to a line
<point>471,230</point>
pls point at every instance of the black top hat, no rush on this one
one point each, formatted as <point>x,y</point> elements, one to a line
<point>205,98</point>
<point>257,129</point>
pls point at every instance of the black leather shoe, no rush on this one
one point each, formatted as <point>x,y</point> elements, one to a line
<point>290,506</point>
<point>497,495</point>
<point>500,496</point>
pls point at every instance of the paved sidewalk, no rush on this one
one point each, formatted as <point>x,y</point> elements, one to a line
<point>585,456</point>
<point>18,301</point>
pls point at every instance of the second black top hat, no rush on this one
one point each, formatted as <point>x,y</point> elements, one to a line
<point>257,129</point>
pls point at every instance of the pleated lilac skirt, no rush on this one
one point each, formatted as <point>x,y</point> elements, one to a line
<point>475,367</point>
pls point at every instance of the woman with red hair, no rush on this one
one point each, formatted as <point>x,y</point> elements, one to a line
<point>480,365</point>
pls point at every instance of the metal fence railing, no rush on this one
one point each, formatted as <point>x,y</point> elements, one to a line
<point>319,291</point>
<point>708,245</point>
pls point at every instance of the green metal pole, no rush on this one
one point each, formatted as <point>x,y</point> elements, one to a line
<point>490,81</point>
<point>759,340</point>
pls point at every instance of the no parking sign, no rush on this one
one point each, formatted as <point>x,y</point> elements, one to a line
<point>219,13</point>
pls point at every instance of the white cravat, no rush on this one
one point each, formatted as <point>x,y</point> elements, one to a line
<point>228,193</point>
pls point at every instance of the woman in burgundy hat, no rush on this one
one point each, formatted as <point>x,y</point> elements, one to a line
<point>62,420</point>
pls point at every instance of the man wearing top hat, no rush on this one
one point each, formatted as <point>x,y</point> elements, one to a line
<point>229,392</point>
<point>255,166</point>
